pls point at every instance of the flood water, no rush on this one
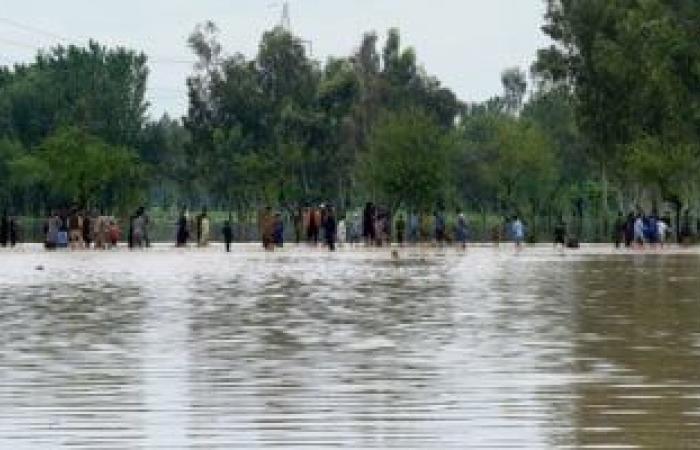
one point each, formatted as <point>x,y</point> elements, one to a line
<point>196,349</point>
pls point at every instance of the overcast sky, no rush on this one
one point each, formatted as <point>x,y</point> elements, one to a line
<point>465,43</point>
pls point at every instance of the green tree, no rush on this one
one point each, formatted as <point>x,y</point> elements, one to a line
<point>74,166</point>
<point>408,160</point>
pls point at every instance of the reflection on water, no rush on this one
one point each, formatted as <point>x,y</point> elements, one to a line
<point>199,349</point>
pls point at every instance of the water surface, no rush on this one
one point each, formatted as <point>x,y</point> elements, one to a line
<point>197,349</point>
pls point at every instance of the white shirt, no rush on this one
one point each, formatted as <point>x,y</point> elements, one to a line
<point>661,229</point>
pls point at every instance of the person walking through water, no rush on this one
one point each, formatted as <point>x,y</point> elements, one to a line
<point>440,227</point>
<point>53,224</point>
<point>619,230</point>
<point>560,233</point>
<point>228,234</point>
<point>75,225</point>
<point>639,231</point>
<point>278,230</point>
<point>629,230</point>
<point>4,229</point>
<point>182,233</point>
<point>138,229</point>
<point>518,231</point>
<point>368,228</point>
<point>342,232</point>
<point>662,229</point>
<point>400,230</point>
<point>413,227</point>
<point>267,228</point>
<point>330,228</point>
<point>461,230</point>
<point>100,230</point>
<point>88,236</point>
<point>203,228</point>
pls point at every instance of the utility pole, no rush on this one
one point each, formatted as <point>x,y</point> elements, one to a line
<point>286,21</point>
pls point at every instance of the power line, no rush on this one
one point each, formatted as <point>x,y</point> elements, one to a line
<point>32,29</point>
<point>155,59</point>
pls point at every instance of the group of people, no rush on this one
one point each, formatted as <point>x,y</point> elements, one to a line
<point>316,224</point>
<point>375,226</point>
<point>78,229</point>
<point>9,230</point>
<point>199,229</point>
<point>638,230</point>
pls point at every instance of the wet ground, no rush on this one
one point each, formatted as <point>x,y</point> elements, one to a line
<point>197,349</point>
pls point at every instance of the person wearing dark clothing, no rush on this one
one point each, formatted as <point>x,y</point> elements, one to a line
<point>4,229</point>
<point>278,231</point>
<point>461,230</point>
<point>331,228</point>
<point>14,232</point>
<point>629,230</point>
<point>619,230</point>
<point>400,229</point>
<point>685,228</point>
<point>314,226</point>
<point>130,237</point>
<point>368,226</point>
<point>87,230</point>
<point>439,227</point>
<point>182,233</point>
<point>298,221</point>
<point>228,234</point>
<point>560,233</point>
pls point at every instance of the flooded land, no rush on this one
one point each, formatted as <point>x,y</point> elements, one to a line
<point>198,349</point>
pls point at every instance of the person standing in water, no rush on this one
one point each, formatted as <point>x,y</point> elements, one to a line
<point>203,228</point>
<point>228,234</point>
<point>182,233</point>
<point>75,225</point>
<point>298,222</point>
<point>639,231</point>
<point>330,228</point>
<point>461,230</point>
<point>14,231</point>
<point>4,229</point>
<point>619,230</point>
<point>53,224</point>
<point>440,227</point>
<point>267,228</point>
<point>400,230</point>
<point>100,230</point>
<point>662,229</point>
<point>518,231</point>
<point>138,229</point>
<point>278,230</point>
<point>629,230</point>
<point>413,227</point>
<point>88,235</point>
<point>342,232</point>
<point>560,233</point>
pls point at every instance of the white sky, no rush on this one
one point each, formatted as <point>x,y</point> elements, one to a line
<point>465,43</point>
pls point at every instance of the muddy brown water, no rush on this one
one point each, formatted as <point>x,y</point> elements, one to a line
<point>197,349</point>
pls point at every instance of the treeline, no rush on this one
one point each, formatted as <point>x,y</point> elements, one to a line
<point>608,122</point>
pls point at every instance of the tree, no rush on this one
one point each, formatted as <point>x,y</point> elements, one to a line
<point>99,89</point>
<point>631,68</point>
<point>76,167</point>
<point>408,160</point>
<point>514,83</point>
